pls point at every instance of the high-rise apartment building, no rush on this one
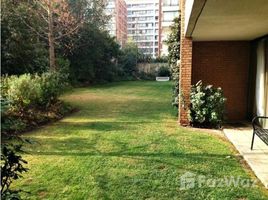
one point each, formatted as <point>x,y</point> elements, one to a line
<point>117,26</point>
<point>143,25</point>
<point>169,9</point>
<point>146,22</point>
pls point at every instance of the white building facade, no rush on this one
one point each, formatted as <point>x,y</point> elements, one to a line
<point>169,11</point>
<point>110,10</point>
<point>143,25</point>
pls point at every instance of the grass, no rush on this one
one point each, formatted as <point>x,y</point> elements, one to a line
<point>125,143</point>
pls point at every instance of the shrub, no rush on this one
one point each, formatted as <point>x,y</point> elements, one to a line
<point>175,74</point>
<point>52,85</point>
<point>162,59</point>
<point>22,91</point>
<point>28,100</point>
<point>163,71</point>
<point>63,66</point>
<point>128,59</point>
<point>8,122</point>
<point>11,169</point>
<point>207,105</point>
<point>32,90</point>
<point>146,76</point>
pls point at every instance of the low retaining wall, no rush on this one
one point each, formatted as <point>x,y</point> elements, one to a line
<point>150,68</point>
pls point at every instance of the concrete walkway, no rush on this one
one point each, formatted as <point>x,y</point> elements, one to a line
<point>258,157</point>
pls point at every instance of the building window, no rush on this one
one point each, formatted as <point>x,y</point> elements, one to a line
<point>171,2</point>
<point>149,31</point>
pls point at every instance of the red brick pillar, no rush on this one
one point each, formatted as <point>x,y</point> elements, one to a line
<point>185,71</point>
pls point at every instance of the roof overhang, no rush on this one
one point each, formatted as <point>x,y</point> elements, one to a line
<point>212,20</point>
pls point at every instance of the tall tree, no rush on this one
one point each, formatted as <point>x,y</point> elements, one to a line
<point>94,55</point>
<point>22,51</point>
<point>173,42</point>
<point>57,21</point>
<point>129,58</point>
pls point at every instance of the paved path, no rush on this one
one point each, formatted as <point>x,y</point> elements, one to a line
<point>256,158</point>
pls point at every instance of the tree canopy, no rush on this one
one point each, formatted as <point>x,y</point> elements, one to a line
<point>64,35</point>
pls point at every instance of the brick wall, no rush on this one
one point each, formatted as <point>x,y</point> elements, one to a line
<point>224,64</point>
<point>185,71</point>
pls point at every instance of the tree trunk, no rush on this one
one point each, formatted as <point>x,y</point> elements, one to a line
<point>52,64</point>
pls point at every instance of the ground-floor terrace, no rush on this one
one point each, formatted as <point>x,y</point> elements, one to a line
<point>239,68</point>
<point>225,44</point>
<point>241,136</point>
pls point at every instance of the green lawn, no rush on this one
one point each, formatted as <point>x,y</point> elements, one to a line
<point>125,143</point>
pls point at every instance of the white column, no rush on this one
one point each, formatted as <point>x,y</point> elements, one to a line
<point>261,87</point>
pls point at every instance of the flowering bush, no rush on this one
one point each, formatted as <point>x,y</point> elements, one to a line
<point>206,105</point>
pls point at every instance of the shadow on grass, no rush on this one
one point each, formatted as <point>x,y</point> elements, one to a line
<point>138,154</point>
<point>95,126</point>
<point>104,127</point>
<point>120,146</point>
<point>178,160</point>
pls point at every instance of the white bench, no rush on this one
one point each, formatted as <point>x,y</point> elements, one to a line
<point>162,78</point>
